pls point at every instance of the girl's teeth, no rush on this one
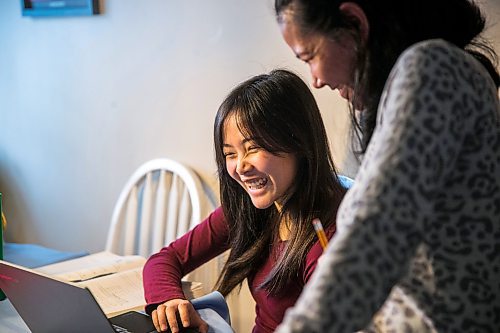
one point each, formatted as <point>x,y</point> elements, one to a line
<point>257,184</point>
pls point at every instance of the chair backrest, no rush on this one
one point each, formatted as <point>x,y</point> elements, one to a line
<point>160,202</point>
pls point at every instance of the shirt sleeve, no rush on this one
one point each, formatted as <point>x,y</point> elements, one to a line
<point>164,270</point>
<point>420,129</point>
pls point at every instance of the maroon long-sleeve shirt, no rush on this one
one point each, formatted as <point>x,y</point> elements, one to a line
<point>163,271</point>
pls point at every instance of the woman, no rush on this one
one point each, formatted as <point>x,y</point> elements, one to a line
<point>422,218</point>
<point>275,175</point>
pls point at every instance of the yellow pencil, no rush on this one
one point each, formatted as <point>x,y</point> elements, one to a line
<point>318,227</point>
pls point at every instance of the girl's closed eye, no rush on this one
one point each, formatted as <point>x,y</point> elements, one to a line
<point>252,145</point>
<point>254,148</point>
<point>229,154</point>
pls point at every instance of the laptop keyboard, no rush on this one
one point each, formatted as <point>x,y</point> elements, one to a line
<point>120,329</point>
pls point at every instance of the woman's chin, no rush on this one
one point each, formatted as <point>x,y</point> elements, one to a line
<point>345,93</point>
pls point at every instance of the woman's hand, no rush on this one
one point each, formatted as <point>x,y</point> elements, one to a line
<point>177,313</point>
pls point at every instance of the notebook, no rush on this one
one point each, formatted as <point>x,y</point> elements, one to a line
<point>48,305</point>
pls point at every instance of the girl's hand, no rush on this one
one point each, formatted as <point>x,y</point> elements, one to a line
<point>176,314</point>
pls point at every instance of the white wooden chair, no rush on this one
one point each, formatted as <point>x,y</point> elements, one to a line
<point>161,201</point>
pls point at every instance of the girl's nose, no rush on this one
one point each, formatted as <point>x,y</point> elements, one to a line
<point>242,166</point>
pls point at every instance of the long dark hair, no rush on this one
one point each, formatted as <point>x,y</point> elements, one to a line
<point>278,112</point>
<point>394,26</point>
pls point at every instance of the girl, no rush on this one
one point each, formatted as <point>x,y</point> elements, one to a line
<point>275,176</point>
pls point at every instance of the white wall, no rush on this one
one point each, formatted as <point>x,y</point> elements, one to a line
<point>85,100</point>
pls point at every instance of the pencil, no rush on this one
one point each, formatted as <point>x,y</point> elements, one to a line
<point>318,227</point>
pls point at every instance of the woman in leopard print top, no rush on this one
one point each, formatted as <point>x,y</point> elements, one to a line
<point>418,235</point>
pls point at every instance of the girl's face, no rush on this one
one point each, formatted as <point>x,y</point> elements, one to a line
<point>266,178</point>
<point>330,61</point>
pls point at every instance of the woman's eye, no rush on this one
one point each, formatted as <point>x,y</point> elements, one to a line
<point>228,155</point>
<point>307,58</point>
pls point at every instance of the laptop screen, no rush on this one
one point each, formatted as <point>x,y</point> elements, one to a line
<point>48,305</point>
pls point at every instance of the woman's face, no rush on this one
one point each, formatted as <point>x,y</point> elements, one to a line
<point>266,178</point>
<point>330,61</point>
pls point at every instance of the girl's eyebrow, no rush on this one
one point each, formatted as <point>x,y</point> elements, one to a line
<point>244,141</point>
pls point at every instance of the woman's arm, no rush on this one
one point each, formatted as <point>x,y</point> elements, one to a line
<point>164,270</point>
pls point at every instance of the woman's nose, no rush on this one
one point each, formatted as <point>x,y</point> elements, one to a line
<point>317,83</point>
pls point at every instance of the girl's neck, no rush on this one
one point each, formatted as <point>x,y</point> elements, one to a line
<point>284,229</point>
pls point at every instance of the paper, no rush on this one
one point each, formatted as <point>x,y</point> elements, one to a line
<point>119,292</point>
<point>123,291</point>
<point>92,266</point>
<point>115,281</point>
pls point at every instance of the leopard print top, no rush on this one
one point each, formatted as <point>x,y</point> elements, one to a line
<point>420,228</point>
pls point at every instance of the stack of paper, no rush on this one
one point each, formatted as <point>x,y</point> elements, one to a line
<point>115,281</point>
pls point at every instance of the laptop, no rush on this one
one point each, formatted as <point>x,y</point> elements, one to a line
<point>48,305</point>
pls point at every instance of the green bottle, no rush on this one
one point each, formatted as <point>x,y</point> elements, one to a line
<point>2,295</point>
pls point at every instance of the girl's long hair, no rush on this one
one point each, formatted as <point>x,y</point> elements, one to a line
<point>279,113</point>
<point>394,25</point>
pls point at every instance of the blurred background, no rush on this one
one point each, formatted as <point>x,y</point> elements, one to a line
<point>85,100</point>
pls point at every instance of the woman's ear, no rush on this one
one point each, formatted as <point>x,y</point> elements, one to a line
<point>353,10</point>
